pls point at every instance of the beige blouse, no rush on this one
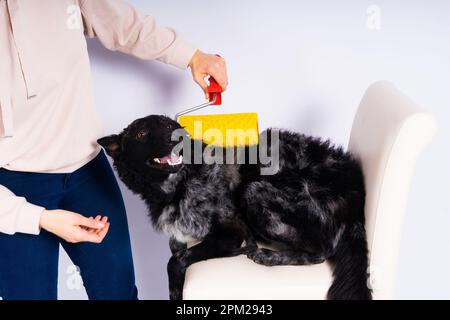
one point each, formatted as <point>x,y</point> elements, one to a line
<point>48,121</point>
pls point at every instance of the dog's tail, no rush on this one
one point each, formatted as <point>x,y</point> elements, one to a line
<point>350,261</point>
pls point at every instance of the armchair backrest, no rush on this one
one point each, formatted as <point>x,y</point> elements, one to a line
<point>388,134</point>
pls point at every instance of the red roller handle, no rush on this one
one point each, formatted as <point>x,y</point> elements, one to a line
<point>214,90</point>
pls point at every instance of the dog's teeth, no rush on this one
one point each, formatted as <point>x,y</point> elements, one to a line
<point>179,161</point>
<point>156,160</point>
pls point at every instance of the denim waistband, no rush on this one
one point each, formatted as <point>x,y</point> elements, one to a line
<point>99,158</point>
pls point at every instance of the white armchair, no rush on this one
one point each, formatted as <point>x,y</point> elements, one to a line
<point>388,134</point>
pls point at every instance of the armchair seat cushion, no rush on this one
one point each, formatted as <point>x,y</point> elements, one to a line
<point>240,278</point>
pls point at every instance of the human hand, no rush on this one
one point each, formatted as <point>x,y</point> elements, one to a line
<point>73,227</point>
<point>203,65</point>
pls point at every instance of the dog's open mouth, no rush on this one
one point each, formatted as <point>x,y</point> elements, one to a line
<point>171,160</point>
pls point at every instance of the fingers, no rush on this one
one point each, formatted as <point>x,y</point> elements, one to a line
<point>94,235</point>
<point>90,229</point>
<point>199,79</point>
<point>204,65</point>
<point>104,220</point>
<point>86,236</point>
<point>218,70</point>
<point>97,219</point>
<point>102,233</point>
<point>90,223</point>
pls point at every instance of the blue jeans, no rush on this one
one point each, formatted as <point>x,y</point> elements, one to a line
<point>29,263</point>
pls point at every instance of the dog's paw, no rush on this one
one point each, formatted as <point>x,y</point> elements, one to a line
<point>263,256</point>
<point>175,272</point>
<point>176,294</point>
<point>243,250</point>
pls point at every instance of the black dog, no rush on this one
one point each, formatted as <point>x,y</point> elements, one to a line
<point>311,209</point>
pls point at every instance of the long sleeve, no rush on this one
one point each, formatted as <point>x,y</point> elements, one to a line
<point>119,26</point>
<point>17,215</point>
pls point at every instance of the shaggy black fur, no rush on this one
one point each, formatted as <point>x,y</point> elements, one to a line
<point>311,210</point>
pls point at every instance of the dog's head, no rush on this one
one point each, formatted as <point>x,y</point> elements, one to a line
<point>145,147</point>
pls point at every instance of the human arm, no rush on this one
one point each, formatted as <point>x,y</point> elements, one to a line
<point>17,215</point>
<point>119,26</point>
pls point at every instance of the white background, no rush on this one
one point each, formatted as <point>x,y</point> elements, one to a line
<point>302,65</point>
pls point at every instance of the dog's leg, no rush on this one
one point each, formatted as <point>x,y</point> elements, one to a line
<point>275,258</point>
<point>221,243</point>
<point>176,245</point>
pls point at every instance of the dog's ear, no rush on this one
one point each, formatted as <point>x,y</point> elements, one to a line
<point>111,144</point>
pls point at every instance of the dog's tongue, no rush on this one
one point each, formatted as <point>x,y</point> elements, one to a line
<point>173,158</point>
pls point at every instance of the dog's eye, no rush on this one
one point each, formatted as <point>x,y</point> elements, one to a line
<point>141,135</point>
<point>169,126</point>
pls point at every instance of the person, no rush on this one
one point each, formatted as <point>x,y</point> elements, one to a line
<point>56,185</point>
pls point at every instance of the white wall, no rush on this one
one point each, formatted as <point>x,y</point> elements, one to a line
<point>302,65</point>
